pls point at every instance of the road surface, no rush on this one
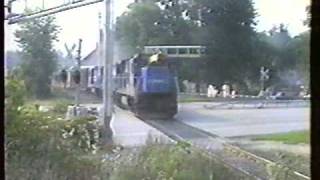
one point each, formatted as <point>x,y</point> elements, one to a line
<point>242,122</point>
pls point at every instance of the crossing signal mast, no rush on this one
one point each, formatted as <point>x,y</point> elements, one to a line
<point>264,76</point>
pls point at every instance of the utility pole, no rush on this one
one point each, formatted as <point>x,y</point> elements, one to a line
<point>107,71</point>
<point>78,68</point>
<point>7,39</point>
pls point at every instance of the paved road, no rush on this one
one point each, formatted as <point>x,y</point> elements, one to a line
<point>224,122</point>
<point>242,122</point>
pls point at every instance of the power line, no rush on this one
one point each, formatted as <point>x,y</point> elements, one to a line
<point>50,11</point>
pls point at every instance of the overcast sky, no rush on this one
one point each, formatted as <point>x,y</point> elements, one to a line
<point>83,22</point>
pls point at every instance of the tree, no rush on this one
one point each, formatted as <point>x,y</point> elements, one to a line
<point>36,38</point>
<point>300,47</point>
<point>230,36</point>
<point>308,20</point>
<point>137,27</point>
<point>153,23</point>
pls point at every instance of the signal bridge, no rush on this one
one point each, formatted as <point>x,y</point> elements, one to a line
<point>177,51</point>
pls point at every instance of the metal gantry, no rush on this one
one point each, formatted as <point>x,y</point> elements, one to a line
<point>177,51</point>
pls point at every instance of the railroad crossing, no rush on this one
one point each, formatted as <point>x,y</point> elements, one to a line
<point>192,118</point>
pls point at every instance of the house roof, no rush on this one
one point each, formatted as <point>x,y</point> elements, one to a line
<point>92,59</point>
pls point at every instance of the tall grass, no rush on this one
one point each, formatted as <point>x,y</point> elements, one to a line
<point>176,162</point>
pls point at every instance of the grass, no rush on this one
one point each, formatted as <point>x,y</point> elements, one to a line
<point>176,162</point>
<point>56,97</point>
<point>288,138</point>
<point>48,102</point>
<point>295,161</point>
<point>189,100</point>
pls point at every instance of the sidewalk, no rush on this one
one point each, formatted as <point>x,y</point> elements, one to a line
<point>129,131</point>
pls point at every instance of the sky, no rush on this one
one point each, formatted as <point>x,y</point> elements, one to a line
<point>83,22</point>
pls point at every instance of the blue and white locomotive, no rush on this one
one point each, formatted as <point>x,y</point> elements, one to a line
<point>148,86</point>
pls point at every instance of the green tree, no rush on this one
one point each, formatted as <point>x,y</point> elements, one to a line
<point>308,20</point>
<point>36,38</point>
<point>229,38</point>
<point>289,56</point>
<point>300,47</point>
<point>137,27</point>
<point>149,23</point>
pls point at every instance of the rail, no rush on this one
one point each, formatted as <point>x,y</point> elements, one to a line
<point>231,156</point>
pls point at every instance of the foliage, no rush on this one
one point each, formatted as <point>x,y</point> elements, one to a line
<point>135,28</point>
<point>229,40</point>
<point>147,24</point>
<point>36,38</point>
<point>36,143</point>
<point>286,57</point>
<point>227,29</point>
<point>15,92</point>
<point>41,145</point>
<point>300,47</point>
<point>308,20</point>
<point>61,107</point>
<point>159,161</point>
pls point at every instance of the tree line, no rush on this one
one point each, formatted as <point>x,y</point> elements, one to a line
<point>235,50</point>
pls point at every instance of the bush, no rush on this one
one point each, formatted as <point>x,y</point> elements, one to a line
<point>61,107</point>
<point>15,93</point>
<point>176,162</point>
<point>40,145</point>
<point>37,143</point>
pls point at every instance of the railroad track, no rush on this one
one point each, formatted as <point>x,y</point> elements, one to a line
<point>234,157</point>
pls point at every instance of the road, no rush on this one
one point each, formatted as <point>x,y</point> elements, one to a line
<point>243,122</point>
<point>223,122</point>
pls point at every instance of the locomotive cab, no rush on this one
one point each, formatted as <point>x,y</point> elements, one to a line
<point>151,89</point>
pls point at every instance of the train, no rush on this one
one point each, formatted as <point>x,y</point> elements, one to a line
<point>147,85</point>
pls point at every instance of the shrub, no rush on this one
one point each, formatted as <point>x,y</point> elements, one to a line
<point>40,146</point>
<point>172,162</point>
<point>15,93</point>
<point>61,106</point>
